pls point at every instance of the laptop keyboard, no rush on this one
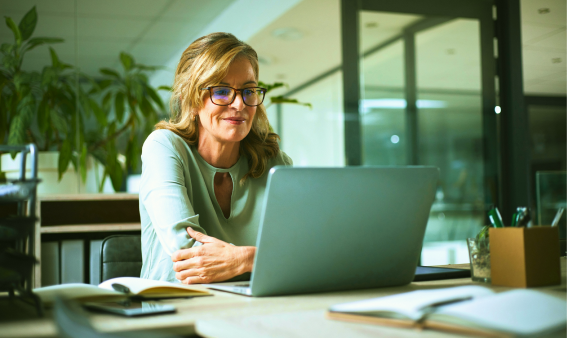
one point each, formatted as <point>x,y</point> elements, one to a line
<point>241,286</point>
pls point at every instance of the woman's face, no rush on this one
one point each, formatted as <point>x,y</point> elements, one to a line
<point>233,122</point>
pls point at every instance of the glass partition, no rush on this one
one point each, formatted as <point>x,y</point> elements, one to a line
<point>435,62</point>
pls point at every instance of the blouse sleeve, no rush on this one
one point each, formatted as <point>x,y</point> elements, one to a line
<point>164,195</point>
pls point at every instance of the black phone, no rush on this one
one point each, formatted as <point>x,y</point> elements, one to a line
<point>131,308</point>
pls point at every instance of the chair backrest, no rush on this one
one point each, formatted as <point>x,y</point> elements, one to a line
<point>120,256</point>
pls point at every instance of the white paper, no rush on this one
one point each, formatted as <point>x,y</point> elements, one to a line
<point>523,312</point>
<point>412,304</point>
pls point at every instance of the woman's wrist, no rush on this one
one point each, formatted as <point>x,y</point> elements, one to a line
<point>247,258</point>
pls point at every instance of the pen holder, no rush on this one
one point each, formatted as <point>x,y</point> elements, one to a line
<point>525,257</point>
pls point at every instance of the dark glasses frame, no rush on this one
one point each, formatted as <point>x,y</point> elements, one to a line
<point>210,89</point>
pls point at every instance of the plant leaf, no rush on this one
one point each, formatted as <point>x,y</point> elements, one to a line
<point>281,99</point>
<point>110,72</point>
<point>17,34</point>
<point>98,112</point>
<point>146,107</point>
<point>106,101</point>
<point>54,58</point>
<point>25,110</point>
<point>119,106</point>
<point>127,60</point>
<point>113,167</point>
<point>32,43</point>
<point>48,76</point>
<point>148,68</point>
<point>27,24</point>
<point>155,97</point>
<point>65,152</point>
<point>59,122</point>
<point>7,48</point>
<point>131,105</point>
<point>43,115</point>
<point>270,87</point>
<point>105,83</point>
<point>83,161</point>
<point>168,88</point>
<point>17,134</point>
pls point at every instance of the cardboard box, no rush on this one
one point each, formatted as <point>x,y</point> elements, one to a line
<point>525,257</point>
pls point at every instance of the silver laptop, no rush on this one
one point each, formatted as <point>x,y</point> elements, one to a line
<point>330,229</point>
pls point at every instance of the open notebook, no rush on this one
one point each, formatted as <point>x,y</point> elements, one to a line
<point>465,309</point>
<point>120,287</point>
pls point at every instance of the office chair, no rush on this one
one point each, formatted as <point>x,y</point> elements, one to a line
<point>120,256</point>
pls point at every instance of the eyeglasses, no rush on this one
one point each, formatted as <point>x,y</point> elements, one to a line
<point>224,96</point>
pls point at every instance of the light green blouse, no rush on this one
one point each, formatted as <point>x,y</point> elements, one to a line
<point>177,191</point>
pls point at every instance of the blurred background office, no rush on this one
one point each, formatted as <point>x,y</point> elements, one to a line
<point>426,88</point>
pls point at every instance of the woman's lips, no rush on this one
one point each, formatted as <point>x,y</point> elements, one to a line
<point>235,120</point>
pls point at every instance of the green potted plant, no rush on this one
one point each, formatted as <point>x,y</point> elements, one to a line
<point>65,112</point>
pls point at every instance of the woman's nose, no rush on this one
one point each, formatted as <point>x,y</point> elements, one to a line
<point>238,102</point>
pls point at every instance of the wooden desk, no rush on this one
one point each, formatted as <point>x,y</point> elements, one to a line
<point>228,315</point>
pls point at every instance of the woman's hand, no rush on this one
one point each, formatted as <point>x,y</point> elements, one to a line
<point>214,261</point>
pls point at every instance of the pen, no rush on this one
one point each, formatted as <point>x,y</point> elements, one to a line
<point>557,217</point>
<point>495,218</point>
<point>514,218</point>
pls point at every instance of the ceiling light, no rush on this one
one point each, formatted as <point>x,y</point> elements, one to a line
<point>367,104</point>
<point>288,33</point>
<point>543,10</point>
<point>395,139</point>
<point>497,109</point>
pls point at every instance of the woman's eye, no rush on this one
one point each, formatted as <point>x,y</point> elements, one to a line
<point>248,92</point>
<point>222,92</point>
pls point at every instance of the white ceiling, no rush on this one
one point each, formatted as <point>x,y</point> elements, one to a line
<point>544,53</point>
<point>155,31</point>
<point>151,30</point>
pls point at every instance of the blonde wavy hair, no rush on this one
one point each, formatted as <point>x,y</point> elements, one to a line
<point>205,63</point>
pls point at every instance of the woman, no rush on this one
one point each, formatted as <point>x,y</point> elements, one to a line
<point>204,172</point>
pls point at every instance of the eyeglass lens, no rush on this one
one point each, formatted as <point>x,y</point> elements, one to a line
<point>225,95</point>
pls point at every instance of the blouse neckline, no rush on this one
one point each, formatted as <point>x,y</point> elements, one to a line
<point>212,168</point>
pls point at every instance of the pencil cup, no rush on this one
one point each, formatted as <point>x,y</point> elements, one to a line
<point>479,254</point>
<point>525,257</point>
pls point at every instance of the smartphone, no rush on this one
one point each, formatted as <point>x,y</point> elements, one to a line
<point>131,308</point>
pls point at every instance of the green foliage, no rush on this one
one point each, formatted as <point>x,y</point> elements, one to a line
<point>280,99</point>
<point>270,87</point>
<point>137,108</point>
<point>50,110</point>
<point>27,24</point>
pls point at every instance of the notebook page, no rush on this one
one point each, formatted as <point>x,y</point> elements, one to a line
<point>522,312</point>
<point>137,285</point>
<point>412,304</point>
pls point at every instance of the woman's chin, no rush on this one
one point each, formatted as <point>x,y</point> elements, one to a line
<point>232,138</point>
